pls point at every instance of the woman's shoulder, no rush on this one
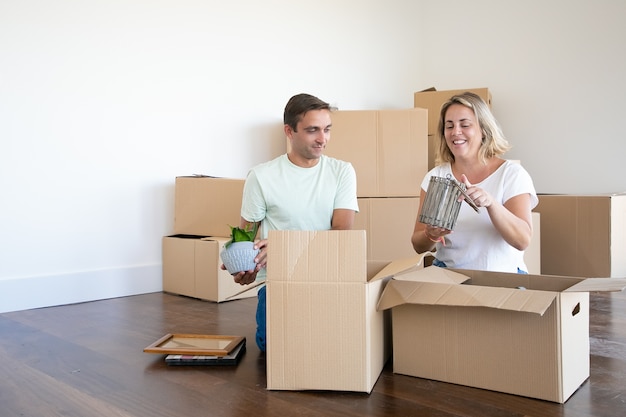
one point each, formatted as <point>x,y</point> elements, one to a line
<point>440,170</point>
<point>513,167</point>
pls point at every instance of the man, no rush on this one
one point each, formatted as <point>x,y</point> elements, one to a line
<point>300,190</point>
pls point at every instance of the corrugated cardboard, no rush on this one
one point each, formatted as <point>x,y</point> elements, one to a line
<point>191,267</point>
<point>432,100</point>
<point>389,224</point>
<point>205,206</point>
<point>583,235</point>
<point>388,149</point>
<point>324,332</point>
<point>479,329</point>
<point>532,254</point>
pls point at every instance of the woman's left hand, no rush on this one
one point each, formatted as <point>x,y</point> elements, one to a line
<point>480,197</point>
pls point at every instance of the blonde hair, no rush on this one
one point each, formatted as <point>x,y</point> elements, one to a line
<point>493,144</point>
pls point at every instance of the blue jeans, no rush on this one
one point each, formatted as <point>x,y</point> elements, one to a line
<point>261,319</point>
<point>440,264</point>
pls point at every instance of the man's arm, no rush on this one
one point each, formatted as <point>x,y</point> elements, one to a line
<point>343,219</point>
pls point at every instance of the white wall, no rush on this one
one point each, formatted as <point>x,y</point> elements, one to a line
<point>557,71</point>
<point>103,103</point>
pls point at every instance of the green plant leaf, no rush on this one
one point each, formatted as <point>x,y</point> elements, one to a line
<point>237,234</point>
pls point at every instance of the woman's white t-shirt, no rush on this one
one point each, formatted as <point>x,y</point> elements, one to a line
<point>475,243</point>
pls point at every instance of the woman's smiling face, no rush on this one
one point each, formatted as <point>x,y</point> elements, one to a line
<point>462,132</point>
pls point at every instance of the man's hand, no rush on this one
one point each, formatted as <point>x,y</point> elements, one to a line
<point>248,277</point>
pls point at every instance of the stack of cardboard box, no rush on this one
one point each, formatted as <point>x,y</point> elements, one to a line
<point>204,209</point>
<point>389,152</point>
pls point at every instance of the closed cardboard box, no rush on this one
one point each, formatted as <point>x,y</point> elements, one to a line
<point>191,267</point>
<point>206,206</point>
<point>479,329</point>
<point>432,100</point>
<point>388,149</point>
<point>323,329</point>
<point>583,235</point>
<point>389,224</point>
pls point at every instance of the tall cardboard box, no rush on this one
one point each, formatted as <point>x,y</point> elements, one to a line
<point>583,235</point>
<point>389,224</point>
<point>323,329</point>
<point>388,149</point>
<point>479,329</point>
<point>432,100</point>
<point>205,206</point>
<point>191,267</point>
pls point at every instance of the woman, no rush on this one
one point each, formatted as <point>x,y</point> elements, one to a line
<point>470,147</point>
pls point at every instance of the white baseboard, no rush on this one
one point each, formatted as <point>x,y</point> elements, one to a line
<point>52,290</point>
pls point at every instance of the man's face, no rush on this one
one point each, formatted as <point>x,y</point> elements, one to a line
<point>310,139</point>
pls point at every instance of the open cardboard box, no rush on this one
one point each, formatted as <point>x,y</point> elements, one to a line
<point>481,329</point>
<point>583,235</point>
<point>323,329</point>
<point>191,267</point>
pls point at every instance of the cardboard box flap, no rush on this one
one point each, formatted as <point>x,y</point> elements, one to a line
<point>434,274</point>
<point>401,266</point>
<point>447,293</point>
<point>598,284</point>
<point>317,256</point>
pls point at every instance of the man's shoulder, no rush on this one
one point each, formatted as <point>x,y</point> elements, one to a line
<point>334,162</point>
<point>263,166</point>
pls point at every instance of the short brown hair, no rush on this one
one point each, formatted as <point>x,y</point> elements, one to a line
<point>298,105</point>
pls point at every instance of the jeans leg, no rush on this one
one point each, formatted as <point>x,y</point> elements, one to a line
<point>437,262</point>
<point>261,319</point>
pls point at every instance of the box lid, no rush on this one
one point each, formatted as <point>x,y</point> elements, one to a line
<point>442,286</point>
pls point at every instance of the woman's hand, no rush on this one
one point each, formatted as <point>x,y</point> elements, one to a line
<point>480,197</point>
<point>512,219</point>
<point>436,234</point>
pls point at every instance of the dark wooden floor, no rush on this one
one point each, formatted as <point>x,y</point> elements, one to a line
<point>87,360</point>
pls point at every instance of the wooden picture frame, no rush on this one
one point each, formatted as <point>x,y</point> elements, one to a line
<point>195,344</point>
